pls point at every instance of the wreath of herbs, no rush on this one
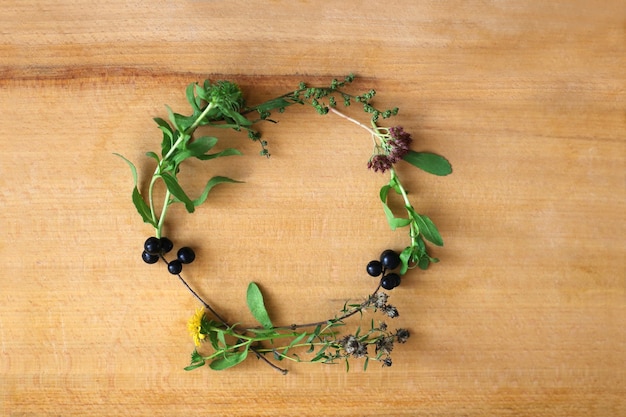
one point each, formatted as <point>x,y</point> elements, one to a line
<point>222,105</point>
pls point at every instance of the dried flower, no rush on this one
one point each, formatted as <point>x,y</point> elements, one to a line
<point>380,301</point>
<point>394,146</point>
<point>391,311</point>
<point>385,345</point>
<point>402,335</point>
<point>399,143</point>
<point>387,362</point>
<point>379,163</point>
<point>352,346</point>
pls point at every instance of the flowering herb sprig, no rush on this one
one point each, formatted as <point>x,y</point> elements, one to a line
<point>221,105</point>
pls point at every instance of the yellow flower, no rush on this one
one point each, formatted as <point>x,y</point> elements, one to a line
<point>195,327</point>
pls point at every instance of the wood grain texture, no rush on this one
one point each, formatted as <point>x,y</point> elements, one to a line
<point>524,316</point>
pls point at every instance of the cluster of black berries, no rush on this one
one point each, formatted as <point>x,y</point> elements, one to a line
<point>389,260</point>
<point>154,248</point>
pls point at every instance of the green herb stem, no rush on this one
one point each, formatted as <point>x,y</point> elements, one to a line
<point>407,204</point>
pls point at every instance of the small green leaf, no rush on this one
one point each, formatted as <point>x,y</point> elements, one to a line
<point>168,135</point>
<point>180,122</point>
<point>277,103</point>
<point>194,366</point>
<point>196,361</point>
<point>313,335</point>
<point>239,119</point>
<point>138,201</point>
<point>405,258</point>
<point>429,162</point>
<point>225,152</point>
<point>212,183</point>
<point>202,93</point>
<point>423,262</point>
<point>153,156</point>
<point>256,305</point>
<point>133,170</point>
<point>297,339</point>
<point>229,360</point>
<point>191,98</point>
<point>213,340</point>
<point>142,207</point>
<point>172,185</point>
<point>201,145</point>
<point>427,228</point>
<point>172,117</point>
<point>394,222</point>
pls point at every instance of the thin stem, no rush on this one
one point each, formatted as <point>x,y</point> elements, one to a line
<point>166,204</point>
<point>340,114</point>
<point>407,204</point>
<point>336,319</point>
<point>195,124</point>
<point>151,201</point>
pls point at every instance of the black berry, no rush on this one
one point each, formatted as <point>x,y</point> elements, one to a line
<point>152,246</point>
<point>186,255</point>
<point>390,259</point>
<point>166,245</point>
<point>149,258</point>
<point>390,281</point>
<point>175,267</point>
<point>374,268</point>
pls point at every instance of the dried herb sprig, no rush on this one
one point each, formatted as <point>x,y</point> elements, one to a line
<point>222,105</point>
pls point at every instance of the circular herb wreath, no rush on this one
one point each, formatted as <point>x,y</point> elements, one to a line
<point>222,105</point>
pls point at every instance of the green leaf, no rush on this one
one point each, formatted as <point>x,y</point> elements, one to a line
<point>427,228</point>
<point>229,360</point>
<point>297,339</point>
<point>256,305</point>
<point>153,156</point>
<point>191,98</point>
<point>405,258</point>
<point>194,366</point>
<point>394,222</point>
<point>172,117</point>
<point>202,93</point>
<point>142,207</point>
<point>239,119</point>
<point>315,334</point>
<point>196,361</point>
<point>172,185</point>
<point>179,121</point>
<point>212,183</point>
<point>213,340</point>
<point>201,145</point>
<point>133,170</point>
<point>168,135</point>
<point>424,262</point>
<point>277,103</point>
<point>138,201</point>
<point>429,162</point>
<point>225,152</point>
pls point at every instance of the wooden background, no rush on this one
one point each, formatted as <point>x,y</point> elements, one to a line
<point>524,316</point>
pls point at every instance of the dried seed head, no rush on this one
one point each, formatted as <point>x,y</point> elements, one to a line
<point>391,311</point>
<point>402,335</point>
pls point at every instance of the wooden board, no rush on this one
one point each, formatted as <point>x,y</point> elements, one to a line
<point>523,316</point>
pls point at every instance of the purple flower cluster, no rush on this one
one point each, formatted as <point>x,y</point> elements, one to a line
<point>397,146</point>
